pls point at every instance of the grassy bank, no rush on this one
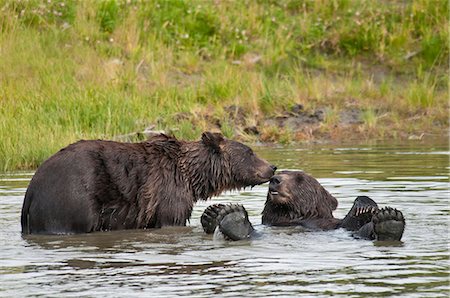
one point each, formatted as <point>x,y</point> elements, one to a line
<point>97,69</point>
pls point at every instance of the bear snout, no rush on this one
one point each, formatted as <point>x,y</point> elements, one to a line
<point>267,172</point>
<point>274,185</point>
<point>273,189</point>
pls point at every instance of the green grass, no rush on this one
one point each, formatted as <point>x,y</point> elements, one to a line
<point>369,117</point>
<point>97,69</point>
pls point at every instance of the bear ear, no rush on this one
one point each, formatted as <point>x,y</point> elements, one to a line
<point>299,177</point>
<point>213,140</point>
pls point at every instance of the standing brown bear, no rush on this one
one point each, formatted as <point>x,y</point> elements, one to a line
<point>104,185</point>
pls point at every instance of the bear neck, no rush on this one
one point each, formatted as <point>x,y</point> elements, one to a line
<point>206,171</point>
<point>276,214</point>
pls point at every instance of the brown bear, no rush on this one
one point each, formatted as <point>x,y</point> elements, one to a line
<point>104,185</point>
<point>296,198</point>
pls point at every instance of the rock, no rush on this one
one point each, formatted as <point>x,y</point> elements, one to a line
<point>292,123</point>
<point>297,119</point>
<point>319,114</point>
<point>351,116</point>
<point>270,122</point>
<point>236,113</point>
<point>297,108</point>
<point>251,130</point>
<point>151,132</point>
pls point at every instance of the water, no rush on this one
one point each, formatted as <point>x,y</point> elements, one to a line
<point>283,262</point>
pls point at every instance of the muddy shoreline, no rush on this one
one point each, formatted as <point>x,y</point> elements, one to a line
<point>294,125</point>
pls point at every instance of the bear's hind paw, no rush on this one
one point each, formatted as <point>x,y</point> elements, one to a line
<point>234,223</point>
<point>389,224</point>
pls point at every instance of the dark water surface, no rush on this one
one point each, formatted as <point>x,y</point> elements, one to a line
<point>413,177</point>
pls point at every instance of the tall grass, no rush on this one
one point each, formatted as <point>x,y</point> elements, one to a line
<point>96,69</point>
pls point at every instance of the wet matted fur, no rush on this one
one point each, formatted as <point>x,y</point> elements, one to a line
<point>103,185</point>
<point>296,198</point>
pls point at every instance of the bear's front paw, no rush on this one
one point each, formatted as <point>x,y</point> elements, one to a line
<point>388,224</point>
<point>360,214</point>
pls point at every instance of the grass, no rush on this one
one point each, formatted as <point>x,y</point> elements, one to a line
<point>97,69</point>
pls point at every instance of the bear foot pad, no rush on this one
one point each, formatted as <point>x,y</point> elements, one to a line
<point>389,224</point>
<point>230,220</point>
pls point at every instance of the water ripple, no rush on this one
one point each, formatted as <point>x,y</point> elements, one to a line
<point>284,261</point>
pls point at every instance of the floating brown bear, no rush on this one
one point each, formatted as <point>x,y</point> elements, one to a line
<point>104,185</point>
<point>296,198</point>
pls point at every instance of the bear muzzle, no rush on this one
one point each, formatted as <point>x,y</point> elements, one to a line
<point>267,173</point>
<point>276,193</point>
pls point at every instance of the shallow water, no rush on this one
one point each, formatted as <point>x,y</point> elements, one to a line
<point>413,177</point>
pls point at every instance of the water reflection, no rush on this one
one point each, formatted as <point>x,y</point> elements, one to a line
<point>122,240</point>
<point>285,261</point>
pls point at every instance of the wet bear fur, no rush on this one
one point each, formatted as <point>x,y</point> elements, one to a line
<point>296,198</point>
<point>104,185</point>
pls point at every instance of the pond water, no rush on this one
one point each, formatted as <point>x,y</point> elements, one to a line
<point>413,177</point>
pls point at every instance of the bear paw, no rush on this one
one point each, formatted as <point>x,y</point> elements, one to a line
<point>209,217</point>
<point>388,224</point>
<point>230,220</point>
<point>360,214</point>
<point>233,222</point>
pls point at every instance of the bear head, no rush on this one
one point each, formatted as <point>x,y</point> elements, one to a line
<point>216,164</point>
<point>296,195</point>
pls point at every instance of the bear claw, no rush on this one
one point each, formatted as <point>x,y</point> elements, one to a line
<point>360,214</point>
<point>369,209</point>
<point>209,217</point>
